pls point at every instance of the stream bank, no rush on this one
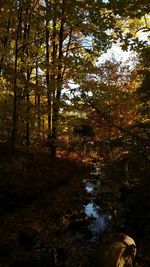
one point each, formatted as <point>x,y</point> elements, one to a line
<point>63,222</point>
<point>48,214</point>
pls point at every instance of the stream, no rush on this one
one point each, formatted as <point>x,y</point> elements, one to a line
<point>72,236</point>
<point>85,226</point>
<point>65,225</point>
<point>100,220</point>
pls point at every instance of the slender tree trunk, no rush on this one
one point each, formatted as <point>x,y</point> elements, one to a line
<point>53,92</point>
<point>48,69</point>
<point>43,128</point>
<point>56,103</point>
<point>14,130</point>
<point>28,73</point>
<point>39,115</point>
<point>37,107</point>
<point>27,111</point>
<point>14,125</point>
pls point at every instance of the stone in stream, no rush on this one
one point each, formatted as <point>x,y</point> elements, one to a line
<point>114,250</point>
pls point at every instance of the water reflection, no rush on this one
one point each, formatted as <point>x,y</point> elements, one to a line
<point>92,186</point>
<point>100,220</point>
<point>91,210</point>
<point>98,226</point>
<point>89,187</point>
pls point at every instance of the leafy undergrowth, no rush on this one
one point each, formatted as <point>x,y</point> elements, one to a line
<point>39,199</point>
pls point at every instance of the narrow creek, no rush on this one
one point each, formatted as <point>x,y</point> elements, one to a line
<point>69,222</point>
<point>100,219</point>
<point>81,228</point>
<point>71,237</point>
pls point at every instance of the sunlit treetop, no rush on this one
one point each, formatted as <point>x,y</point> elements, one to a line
<point>132,8</point>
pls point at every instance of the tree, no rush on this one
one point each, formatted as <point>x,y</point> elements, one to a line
<point>141,124</point>
<point>46,46</point>
<point>71,48</point>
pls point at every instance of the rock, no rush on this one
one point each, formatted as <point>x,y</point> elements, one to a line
<point>115,250</point>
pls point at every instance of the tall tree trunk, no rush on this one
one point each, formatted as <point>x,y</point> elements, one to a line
<point>14,126</point>
<point>27,111</point>
<point>53,92</point>
<point>14,123</point>
<point>37,107</point>
<point>43,128</point>
<point>48,68</point>
<point>28,73</point>
<point>59,83</point>
<point>39,115</point>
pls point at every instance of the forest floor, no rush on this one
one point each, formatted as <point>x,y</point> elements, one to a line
<point>42,217</point>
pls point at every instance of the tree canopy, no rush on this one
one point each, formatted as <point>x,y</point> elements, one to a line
<point>49,68</point>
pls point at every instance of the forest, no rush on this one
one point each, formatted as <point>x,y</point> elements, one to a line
<point>74,133</point>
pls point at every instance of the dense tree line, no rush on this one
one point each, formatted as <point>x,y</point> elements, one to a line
<point>50,78</point>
